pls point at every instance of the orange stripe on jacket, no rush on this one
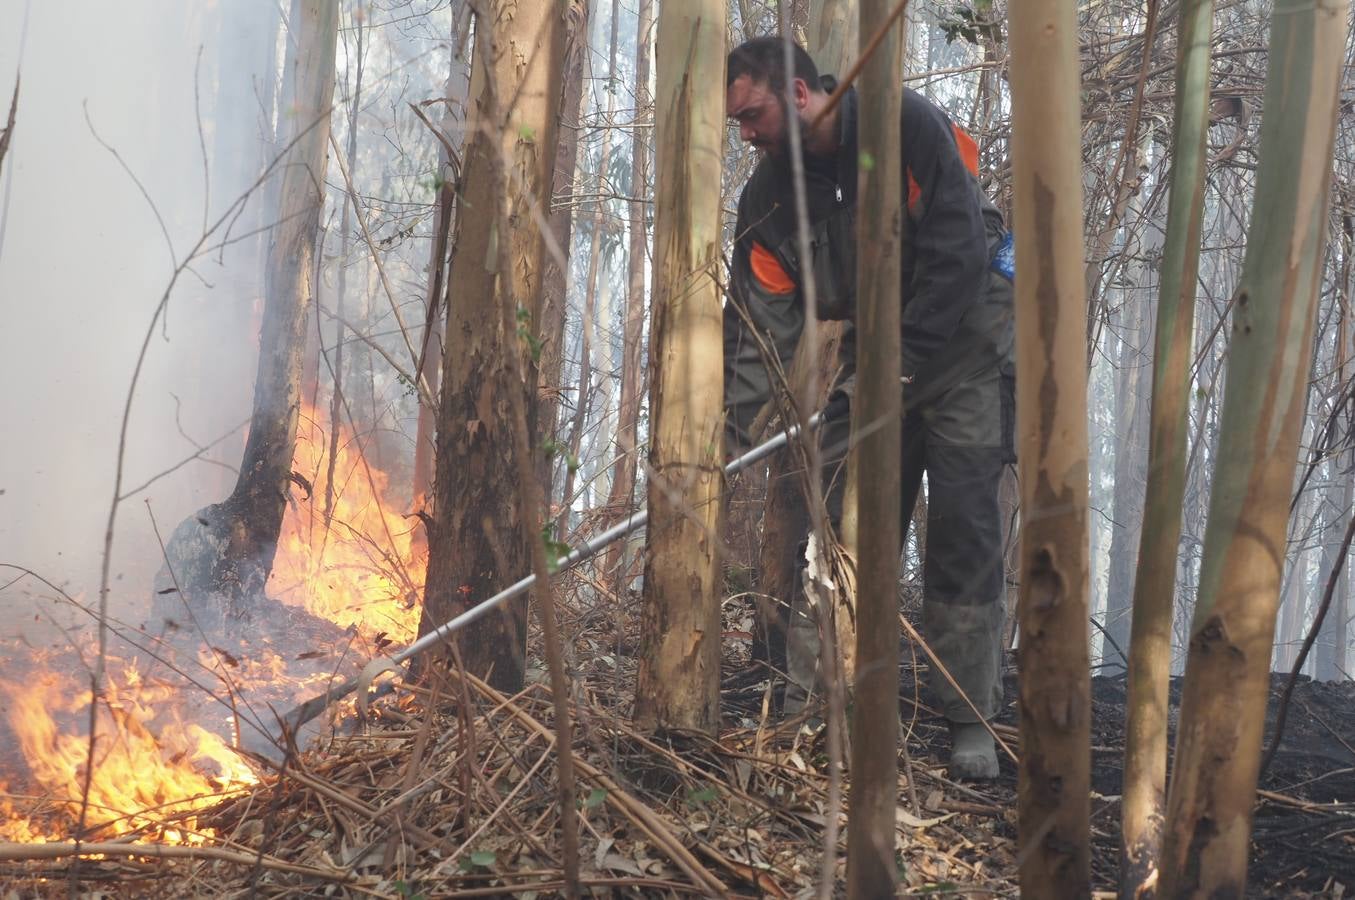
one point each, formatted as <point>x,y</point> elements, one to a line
<point>768,271</point>
<point>969,150</point>
<point>969,154</point>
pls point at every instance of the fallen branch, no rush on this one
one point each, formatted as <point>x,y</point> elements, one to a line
<point>642,816</point>
<point>16,852</point>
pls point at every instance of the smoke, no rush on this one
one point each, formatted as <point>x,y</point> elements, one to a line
<point>84,263</point>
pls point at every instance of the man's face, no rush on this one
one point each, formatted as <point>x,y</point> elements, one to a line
<point>760,114</point>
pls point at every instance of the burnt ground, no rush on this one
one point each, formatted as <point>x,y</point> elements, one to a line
<point>1304,827</point>
<point>1303,837</point>
<point>462,801</point>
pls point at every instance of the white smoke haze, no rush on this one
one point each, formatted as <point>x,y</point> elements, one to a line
<point>83,265</point>
<point>184,94</point>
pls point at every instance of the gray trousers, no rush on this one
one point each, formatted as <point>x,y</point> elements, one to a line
<point>961,440</point>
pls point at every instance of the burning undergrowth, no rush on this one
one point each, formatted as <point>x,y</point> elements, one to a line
<point>193,681</point>
<point>450,790</point>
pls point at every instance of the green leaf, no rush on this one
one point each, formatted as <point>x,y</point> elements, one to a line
<point>596,797</point>
<point>483,858</point>
<point>556,550</point>
<point>527,133</point>
<point>701,797</point>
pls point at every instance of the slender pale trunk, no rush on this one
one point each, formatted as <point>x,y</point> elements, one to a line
<point>1227,671</point>
<point>1133,389</point>
<point>1051,308</point>
<point>480,536</point>
<point>336,403</point>
<point>1145,761</point>
<point>556,278</point>
<point>588,332</point>
<point>1329,652</point>
<point>871,866</point>
<point>1123,184</point>
<point>455,94</point>
<point>1293,598</point>
<point>679,676</point>
<point>622,495</point>
<point>583,396</point>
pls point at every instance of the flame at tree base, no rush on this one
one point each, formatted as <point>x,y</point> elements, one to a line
<point>163,749</point>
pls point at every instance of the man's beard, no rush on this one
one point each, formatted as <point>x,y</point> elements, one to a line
<point>781,148</point>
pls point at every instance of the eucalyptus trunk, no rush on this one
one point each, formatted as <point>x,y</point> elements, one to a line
<point>479,541</point>
<point>1053,788</point>
<point>622,497</point>
<point>679,678</point>
<point>555,282</point>
<point>223,554</point>
<point>588,332</point>
<point>832,34</point>
<point>1150,648</point>
<point>1329,652</point>
<point>456,92</point>
<point>871,867</point>
<point>1209,811</point>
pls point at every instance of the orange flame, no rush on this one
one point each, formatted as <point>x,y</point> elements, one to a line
<point>152,770</point>
<point>358,571</point>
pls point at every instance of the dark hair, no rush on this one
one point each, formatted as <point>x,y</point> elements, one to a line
<point>763,60</point>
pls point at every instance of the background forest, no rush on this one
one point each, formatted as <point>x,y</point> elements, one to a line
<point>145,225</point>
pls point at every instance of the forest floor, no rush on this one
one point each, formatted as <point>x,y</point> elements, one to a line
<point>463,803</point>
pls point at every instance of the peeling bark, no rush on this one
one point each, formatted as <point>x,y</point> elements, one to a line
<point>478,542</point>
<point>1054,695</point>
<point>678,683</point>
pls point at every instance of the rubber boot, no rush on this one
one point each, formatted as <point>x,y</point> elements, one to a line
<point>973,756</point>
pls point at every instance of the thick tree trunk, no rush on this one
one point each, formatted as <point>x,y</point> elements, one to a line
<point>871,867</point>
<point>679,676</point>
<point>479,542</point>
<point>1227,671</point>
<point>225,551</point>
<point>832,34</point>
<point>1054,701</point>
<point>1145,764</point>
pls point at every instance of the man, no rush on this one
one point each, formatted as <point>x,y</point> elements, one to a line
<point>957,332</point>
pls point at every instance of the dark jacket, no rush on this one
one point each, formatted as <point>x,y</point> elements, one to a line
<point>957,311</point>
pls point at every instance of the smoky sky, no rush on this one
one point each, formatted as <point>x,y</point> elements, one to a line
<point>83,265</point>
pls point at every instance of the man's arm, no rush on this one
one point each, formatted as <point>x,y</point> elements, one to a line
<point>946,230</point>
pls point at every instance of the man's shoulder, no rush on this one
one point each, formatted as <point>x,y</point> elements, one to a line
<point>916,107</point>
